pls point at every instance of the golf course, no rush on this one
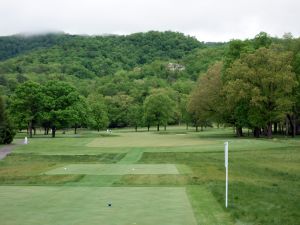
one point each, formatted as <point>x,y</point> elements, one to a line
<point>172,177</point>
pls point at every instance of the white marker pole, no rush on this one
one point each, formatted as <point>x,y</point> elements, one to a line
<point>226,167</point>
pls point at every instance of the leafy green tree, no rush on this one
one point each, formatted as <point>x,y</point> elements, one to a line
<point>135,115</point>
<point>27,104</point>
<point>98,118</point>
<point>158,108</point>
<point>235,50</point>
<point>118,109</point>
<point>79,114</point>
<point>7,132</point>
<point>200,60</point>
<point>206,98</point>
<point>60,102</point>
<point>263,82</point>
<point>262,40</point>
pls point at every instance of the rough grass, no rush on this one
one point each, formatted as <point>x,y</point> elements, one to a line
<point>263,184</point>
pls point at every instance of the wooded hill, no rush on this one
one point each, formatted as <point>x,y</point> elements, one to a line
<point>123,76</point>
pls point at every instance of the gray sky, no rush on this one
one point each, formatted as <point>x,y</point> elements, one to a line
<point>209,20</point>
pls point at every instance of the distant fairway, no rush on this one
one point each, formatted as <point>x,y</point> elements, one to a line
<point>115,169</point>
<point>88,206</point>
<point>145,139</point>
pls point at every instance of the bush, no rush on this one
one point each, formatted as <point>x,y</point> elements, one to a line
<point>7,133</point>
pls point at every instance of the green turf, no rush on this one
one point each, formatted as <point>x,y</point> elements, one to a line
<point>115,169</point>
<point>264,179</point>
<point>87,205</point>
<point>207,209</point>
<point>132,156</point>
<point>145,139</point>
<point>137,143</point>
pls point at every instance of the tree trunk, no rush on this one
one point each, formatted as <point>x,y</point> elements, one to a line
<point>187,126</point>
<point>148,127</point>
<point>201,128</point>
<point>165,127</point>
<point>45,130</point>
<point>135,128</point>
<point>30,128</point>
<point>286,126</point>
<point>295,125</point>
<point>75,129</point>
<point>239,131</point>
<point>197,128</point>
<point>53,131</point>
<point>275,128</point>
<point>34,131</point>
<point>269,130</point>
<point>292,121</point>
<point>256,132</point>
<point>157,127</point>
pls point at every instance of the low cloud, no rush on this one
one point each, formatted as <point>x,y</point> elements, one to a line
<point>213,20</point>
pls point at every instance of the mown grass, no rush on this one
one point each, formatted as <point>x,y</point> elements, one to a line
<point>88,205</point>
<point>264,174</point>
<point>30,169</point>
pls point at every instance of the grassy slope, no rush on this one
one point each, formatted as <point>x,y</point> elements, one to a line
<point>264,174</point>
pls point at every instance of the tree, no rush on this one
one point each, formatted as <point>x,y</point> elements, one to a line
<point>135,116</point>
<point>79,113</point>
<point>262,40</point>
<point>205,100</point>
<point>118,109</point>
<point>27,104</point>
<point>7,132</point>
<point>60,101</point>
<point>262,83</point>
<point>98,118</point>
<point>158,108</point>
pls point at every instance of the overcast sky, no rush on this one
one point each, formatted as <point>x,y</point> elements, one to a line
<point>209,20</point>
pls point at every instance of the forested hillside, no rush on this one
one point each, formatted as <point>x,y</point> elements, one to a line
<point>143,79</point>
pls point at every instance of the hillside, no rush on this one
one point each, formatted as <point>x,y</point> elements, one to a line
<point>79,59</point>
<point>93,55</point>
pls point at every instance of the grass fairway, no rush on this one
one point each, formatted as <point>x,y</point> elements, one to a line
<point>115,169</point>
<point>178,178</point>
<point>145,139</point>
<point>88,205</point>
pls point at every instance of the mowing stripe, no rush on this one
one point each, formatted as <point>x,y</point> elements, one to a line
<point>132,156</point>
<point>115,169</point>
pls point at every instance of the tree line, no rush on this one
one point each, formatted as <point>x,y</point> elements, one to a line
<point>58,105</point>
<point>255,87</point>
